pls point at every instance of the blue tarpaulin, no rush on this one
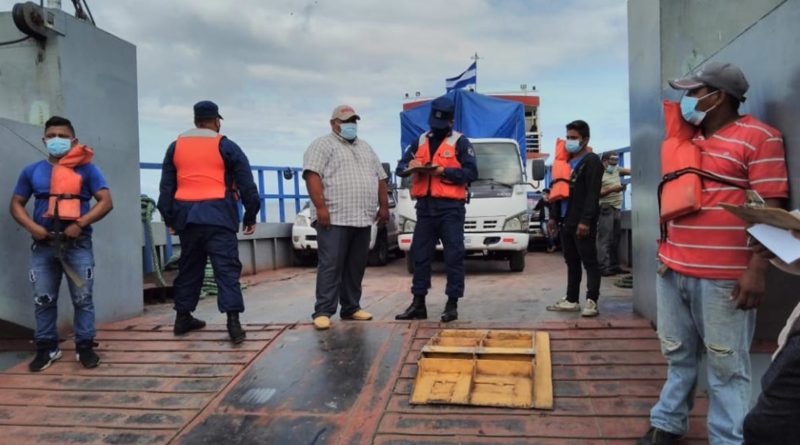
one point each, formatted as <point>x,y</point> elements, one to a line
<point>477,116</point>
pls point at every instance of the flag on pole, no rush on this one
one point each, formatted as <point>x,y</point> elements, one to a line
<point>467,79</point>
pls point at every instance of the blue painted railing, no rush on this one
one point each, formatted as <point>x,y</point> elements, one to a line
<point>261,174</point>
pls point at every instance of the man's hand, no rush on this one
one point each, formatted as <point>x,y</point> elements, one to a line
<point>39,233</point>
<point>415,163</point>
<point>749,290</point>
<point>583,231</point>
<point>249,230</point>
<point>172,231</point>
<point>73,231</point>
<point>551,226</point>
<point>383,216</point>
<point>323,217</point>
<point>438,172</point>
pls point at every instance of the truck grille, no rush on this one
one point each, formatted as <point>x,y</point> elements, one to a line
<point>482,224</point>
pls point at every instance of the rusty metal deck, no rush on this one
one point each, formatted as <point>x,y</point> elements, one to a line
<point>289,384</point>
<point>351,385</point>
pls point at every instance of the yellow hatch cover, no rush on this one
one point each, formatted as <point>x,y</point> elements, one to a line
<point>485,368</point>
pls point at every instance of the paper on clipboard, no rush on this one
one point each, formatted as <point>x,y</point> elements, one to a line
<point>769,215</point>
<point>779,241</point>
<point>422,168</point>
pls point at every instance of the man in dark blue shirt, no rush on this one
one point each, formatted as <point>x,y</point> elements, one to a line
<point>62,243</point>
<point>203,176</point>
<point>441,197</point>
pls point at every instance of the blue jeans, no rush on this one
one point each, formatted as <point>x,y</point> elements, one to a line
<point>45,276</point>
<point>697,315</point>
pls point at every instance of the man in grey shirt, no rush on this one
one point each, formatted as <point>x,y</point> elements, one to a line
<point>348,190</point>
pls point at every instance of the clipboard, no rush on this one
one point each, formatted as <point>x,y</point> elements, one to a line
<point>769,215</point>
<point>424,168</point>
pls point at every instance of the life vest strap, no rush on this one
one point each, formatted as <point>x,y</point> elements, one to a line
<point>671,176</point>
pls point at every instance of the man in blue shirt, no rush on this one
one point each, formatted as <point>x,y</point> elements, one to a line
<point>203,176</point>
<point>441,197</point>
<point>61,243</point>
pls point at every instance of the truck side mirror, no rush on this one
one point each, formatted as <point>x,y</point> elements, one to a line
<point>387,168</point>
<point>538,170</point>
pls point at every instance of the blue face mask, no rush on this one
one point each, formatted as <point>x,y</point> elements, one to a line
<point>611,169</point>
<point>573,145</point>
<point>688,111</point>
<point>58,147</point>
<point>348,131</point>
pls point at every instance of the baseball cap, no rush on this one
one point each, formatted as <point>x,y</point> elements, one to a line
<point>344,112</point>
<point>722,76</point>
<point>442,109</point>
<point>206,109</point>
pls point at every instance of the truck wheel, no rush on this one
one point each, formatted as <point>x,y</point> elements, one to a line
<point>410,262</point>
<point>516,261</point>
<point>379,255</point>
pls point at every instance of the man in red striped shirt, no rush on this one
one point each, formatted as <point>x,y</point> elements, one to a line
<point>709,283</point>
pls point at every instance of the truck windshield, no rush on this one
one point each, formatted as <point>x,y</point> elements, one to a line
<point>498,161</point>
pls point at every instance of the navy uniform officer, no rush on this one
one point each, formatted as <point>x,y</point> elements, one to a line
<point>203,175</point>
<point>441,196</point>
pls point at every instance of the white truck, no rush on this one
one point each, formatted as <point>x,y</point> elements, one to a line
<point>497,213</point>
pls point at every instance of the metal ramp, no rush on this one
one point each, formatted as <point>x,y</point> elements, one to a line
<point>485,368</point>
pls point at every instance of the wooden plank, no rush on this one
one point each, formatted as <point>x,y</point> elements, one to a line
<point>93,417</point>
<point>86,383</point>
<point>69,435</point>
<point>102,399</point>
<point>543,373</point>
<point>136,370</point>
<point>169,336</point>
<point>173,345</point>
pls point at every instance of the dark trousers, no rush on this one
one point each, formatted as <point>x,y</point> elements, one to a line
<point>577,251</point>
<point>776,417</point>
<point>343,253</point>
<point>609,231</point>
<point>198,243</point>
<point>446,225</point>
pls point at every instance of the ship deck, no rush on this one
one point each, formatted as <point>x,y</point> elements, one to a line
<point>289,384</point>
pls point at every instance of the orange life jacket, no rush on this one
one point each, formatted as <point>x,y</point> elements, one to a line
<point>561,172</point>
<point>682,194</point>
<point>200,167</point>
<point>445,157</point>
<point>65,184</point>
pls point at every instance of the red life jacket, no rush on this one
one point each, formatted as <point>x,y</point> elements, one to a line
<point>200,167</point>
<point>560,172</point>
<point>436,186</point>
<point>65,184</point>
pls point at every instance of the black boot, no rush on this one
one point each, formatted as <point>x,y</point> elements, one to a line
<point>84,352</point>
<point>235,330</point>
<point>184,322</point>
<point>417,310</point>
<point>450,310</point>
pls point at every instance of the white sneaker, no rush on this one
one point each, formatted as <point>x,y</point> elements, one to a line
<point>590,310</point>
<point>563,305</point>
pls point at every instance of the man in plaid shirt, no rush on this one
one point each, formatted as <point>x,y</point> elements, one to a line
<point>348,190</point>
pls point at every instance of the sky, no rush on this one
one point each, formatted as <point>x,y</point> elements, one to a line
<point>277,68</point>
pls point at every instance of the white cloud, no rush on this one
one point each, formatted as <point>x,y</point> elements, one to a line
<point>278,68</point>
